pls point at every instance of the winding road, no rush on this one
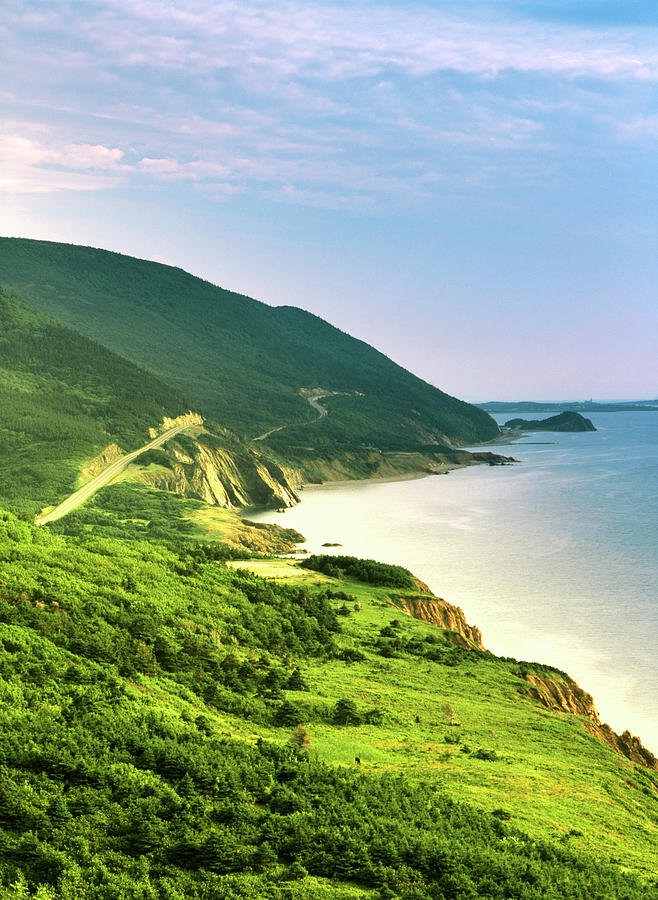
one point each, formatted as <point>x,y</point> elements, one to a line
<point>311,397</point>
<point>105,477</point>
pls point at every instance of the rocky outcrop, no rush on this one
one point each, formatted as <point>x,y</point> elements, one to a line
<point>490,459</point>
<point>628,745</point>
<point>444,615</point>
<point>562,693</point>
<point>234,478</point>
<point>422,587</point>
<point>189,418</point>
<point>360,464</point>
<point>109,455</point>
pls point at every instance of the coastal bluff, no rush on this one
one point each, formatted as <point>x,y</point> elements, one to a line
<point>556,691</point>
<point>444,615</point>
<point>560,692</point>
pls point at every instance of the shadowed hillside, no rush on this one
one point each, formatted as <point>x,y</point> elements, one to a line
<point>241,362</point>
<point>63,398</point>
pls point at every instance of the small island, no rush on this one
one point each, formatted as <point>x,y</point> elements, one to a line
<point>566,421</point>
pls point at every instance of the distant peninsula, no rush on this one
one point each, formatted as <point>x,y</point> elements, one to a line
<point>566,421</point>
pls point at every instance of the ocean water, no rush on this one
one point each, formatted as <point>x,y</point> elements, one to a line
<point>555,558</point>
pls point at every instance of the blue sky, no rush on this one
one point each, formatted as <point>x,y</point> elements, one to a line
<point>470,186</point>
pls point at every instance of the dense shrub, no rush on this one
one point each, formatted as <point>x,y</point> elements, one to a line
<point>366,570</point>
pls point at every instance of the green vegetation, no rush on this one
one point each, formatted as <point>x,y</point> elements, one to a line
<point>368,571</point>
<point>150,743</point>
<point>63,398</point>
<point>241,362</point>
<point>175,725</point>
<point>128,511</point>
<point>565,421</point>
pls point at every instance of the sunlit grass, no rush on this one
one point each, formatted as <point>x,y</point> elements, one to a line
<point>555,779</point>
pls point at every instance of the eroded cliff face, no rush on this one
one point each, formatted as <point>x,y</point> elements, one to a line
<point>562,693</point>
<point>200,469</point>
<point>109,455</point>
<point>359,464</point>
<point>188,418</point>
<point>444,615</point>
<point>629,745</point>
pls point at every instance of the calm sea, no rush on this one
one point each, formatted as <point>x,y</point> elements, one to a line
<point>554,558</point>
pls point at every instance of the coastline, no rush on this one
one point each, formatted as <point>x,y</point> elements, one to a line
<point>554,616</point>
<point>385,479</point>
<point>431,467</point>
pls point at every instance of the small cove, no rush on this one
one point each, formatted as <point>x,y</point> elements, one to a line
<point>553,558</point>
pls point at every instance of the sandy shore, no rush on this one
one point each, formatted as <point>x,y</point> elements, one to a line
<point>438,469</point>
<point>386,479</point>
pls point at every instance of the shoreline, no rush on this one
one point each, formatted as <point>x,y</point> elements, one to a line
<point>583,659</point>
<point>442,468</point>
<point>385,479</point>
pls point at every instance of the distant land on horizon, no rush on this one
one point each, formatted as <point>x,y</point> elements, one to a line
<point>494,406</point>
<point>564,421</point>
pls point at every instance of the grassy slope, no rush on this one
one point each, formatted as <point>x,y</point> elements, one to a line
<point>63,398</point>
<point>134,674</point>
<point>241,361</point>
<point>129,511</point>
<point>551,774</point>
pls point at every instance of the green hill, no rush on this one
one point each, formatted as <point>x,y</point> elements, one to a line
<point>565,421</point>
<point>63,398</point>
<point>172,727</point>
<point>239,361</point>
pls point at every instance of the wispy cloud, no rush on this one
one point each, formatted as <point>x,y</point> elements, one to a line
<point>28,165</point>
<point>341,41</point>
<point>640,127</point>
<point>326,103</point>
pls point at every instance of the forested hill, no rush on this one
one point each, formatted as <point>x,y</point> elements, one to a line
<point>63,398</point>
<point>240,361</point>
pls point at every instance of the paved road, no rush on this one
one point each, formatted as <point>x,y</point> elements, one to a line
<point>311,398</point>
<point>104,477</point>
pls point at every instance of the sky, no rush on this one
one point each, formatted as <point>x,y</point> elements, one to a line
<point>469,186</point>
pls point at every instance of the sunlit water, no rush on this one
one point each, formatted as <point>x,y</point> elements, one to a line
<point>554,559</point>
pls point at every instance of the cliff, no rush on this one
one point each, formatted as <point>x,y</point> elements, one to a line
<point>556,691</point>
<point>232,476</point>
<point>188,418</point>
<point>105,458</point>
<point>561,692</point>
<point>627,744</point>
<point>444,615</point>
<point>362,464</point>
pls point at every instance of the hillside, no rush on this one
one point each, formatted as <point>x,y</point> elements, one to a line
<point>239,361</point>
<point>63,399</point>
<point>69,406</point>
<point>173,727</point>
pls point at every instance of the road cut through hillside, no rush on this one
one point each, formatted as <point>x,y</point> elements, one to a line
<point>107,475</point>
